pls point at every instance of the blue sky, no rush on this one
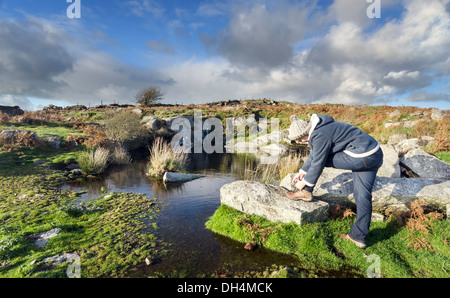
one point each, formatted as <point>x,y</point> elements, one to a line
<point>204,51</point>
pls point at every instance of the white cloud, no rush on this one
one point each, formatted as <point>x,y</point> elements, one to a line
<point>263,37</point>
<point>428,96</point>
<point>346,65</point>
<point>14,100</point>
<point>141,7</point>
<point>98,76</point>
<point>262,52</point>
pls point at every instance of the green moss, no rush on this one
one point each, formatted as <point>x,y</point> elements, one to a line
<point>444,155</point>
<point>110,234</point>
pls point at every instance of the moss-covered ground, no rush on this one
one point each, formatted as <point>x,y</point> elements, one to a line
<point>111,234</point>
<point>321,252</point>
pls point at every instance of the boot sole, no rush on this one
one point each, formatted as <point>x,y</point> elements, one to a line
<point>300,199</point>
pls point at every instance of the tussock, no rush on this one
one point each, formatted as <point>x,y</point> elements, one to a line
<point>163,158</point>
<point>272,173</point>
<point>94,162</point>
<point>121,155</point>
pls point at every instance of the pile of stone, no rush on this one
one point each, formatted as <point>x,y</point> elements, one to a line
<point>14,136</point>
<point>418,116</point>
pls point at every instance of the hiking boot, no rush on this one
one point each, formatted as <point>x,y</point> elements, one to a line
<point>300,195</point>
<point>357,243</point>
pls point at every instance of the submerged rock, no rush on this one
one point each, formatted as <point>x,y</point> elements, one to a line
<point>171,177</point>
<point>270,202</point>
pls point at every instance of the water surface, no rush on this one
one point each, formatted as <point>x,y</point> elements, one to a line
<point>194,251</point>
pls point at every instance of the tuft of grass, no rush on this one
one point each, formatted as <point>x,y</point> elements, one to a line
<point>273,173</point>
<point>94,162</point>
<point>163,158</point>
<point>121,156</point>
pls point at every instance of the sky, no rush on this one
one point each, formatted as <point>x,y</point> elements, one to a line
<point>353,52</point>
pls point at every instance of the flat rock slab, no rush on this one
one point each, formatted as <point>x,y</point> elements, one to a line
<point>170,177</point>
<point>426,165</point>
<point>270,202</point>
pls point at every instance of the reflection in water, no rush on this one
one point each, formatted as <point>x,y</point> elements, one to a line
<point>194,250</point>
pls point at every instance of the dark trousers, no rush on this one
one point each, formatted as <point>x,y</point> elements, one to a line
<point>364,173</point>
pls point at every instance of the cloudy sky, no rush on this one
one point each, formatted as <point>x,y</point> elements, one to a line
<point>203,51</point>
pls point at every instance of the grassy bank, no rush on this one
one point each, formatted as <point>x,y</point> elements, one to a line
<point>321,251</point>
<point>111,234</point>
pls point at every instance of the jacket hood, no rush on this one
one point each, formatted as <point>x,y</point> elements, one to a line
<point>319,120</point>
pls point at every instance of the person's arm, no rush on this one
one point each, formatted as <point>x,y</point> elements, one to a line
<point>317,159</point>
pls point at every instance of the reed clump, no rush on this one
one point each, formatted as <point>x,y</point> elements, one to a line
<point>275,172</point>
<point>121,156</point>
<point>94,162</point>
<point>164,158</point>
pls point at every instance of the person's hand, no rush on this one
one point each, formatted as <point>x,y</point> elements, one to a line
<point>298,177</point>
<point>300,185</point>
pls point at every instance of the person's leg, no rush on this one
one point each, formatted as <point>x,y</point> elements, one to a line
<point>363,182</point>
<point>364,173</point>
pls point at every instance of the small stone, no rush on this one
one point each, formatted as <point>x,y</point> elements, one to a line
<point>149,261</point>
<point>76,172</point>
<point>42,239</point>
<point>377,217</point>
<point>250,246</point>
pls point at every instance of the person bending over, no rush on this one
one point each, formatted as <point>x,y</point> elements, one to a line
<point>341,146</point>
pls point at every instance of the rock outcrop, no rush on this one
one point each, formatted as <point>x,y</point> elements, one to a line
<point>11,111</point>
<point>426,165</point>
<point>391,166</point>
<point>270,202</point>
<point>14,135</point>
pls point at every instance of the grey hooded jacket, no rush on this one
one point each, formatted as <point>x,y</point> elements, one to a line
<point>328,137</point>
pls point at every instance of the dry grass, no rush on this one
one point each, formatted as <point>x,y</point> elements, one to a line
<point>4,118</point>
<point>257,232</point>
<point>442,142</point>
<point>21,138</point>
<point>94,162</point>
<point>337,211</point>
<point>121,156</point>
<point>418,222</point>
<point>97,137</point>
<point>272,173</point>
<point>163,158</point>
<point>38,118</point>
